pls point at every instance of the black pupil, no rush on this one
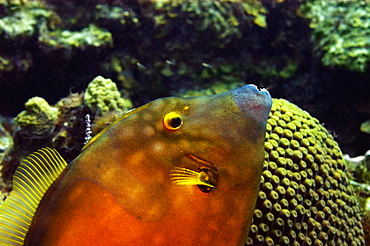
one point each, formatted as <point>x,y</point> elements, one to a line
<point>175,122</point>
<point>205,189</point>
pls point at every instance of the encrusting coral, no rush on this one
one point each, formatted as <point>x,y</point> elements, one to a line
<point>20,22</point>
<point>62,126</point>
<point>6,142</point>
<point>24,19</point>
<point>38,120</point>
<point>359,166</point>
<point>220,18</point>
<point>341,31</point>
<point>34,127</point>
<point>89,36</point>
<point>365,127</point>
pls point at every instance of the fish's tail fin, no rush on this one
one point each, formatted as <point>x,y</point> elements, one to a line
<point>31,180</point>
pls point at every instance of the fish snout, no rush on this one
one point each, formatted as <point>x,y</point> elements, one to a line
<point>253,102</point>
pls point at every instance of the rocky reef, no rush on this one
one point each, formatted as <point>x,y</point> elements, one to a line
<point>61,126</point>
<point>340,31</point>
<point>314,53</point>
<point>301,50</point>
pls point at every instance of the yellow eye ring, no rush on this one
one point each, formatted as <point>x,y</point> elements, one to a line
<point>172,121</point>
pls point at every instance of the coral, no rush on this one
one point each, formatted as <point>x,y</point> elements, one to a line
<point>255,9</point>
<point>220,19</point>
<point>305,196</point>
<point>38,120</point>
<point>24,19</point>
<point>19,24</point>
<point>6,143</point>
<point>225,73</point>
<point>5,64</point>
<point>20,62</point>
<point>89,36</point>
<point>365,127</point>
<point>34,127</point>
<point>25,25</point>
<point>359,166</point>
<point>70,128</point>
<point>366,220</point>
<point>61,127</point>
<point>106,14</point>
<point>268,70</point>
<point>341,30</point>
<point>102,96</point>
<point>118,69</point>
<point>6,140</point>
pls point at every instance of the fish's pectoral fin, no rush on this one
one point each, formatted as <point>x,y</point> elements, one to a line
<point>184,176</point>
<point>31,180</point>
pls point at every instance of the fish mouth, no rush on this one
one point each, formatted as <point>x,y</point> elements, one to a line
<point>201,163</point>
<point>253,102</point>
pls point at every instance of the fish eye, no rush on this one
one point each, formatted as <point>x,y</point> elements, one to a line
<point>172,121</point>
<point>205,189</point>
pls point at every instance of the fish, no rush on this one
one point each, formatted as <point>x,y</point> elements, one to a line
<point>176,171</point>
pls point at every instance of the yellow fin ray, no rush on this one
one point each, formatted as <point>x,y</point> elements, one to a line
<point>22,222</point>
<point>184,176</point>
<point>32,179</point>
<point>29,203</point>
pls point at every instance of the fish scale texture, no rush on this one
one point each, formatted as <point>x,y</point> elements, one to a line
<point>305,197</point>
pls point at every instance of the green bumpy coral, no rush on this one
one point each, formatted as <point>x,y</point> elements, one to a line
<point>106,13</point>
<point>38,120</point>
<point>6,142</point>
<point>365,127</point>
<point>102,96</point>
<point>220,18</point>
<point>23,19</point>
<point>305,197</point>
<point>341,30</point>
<point>89,36</point>
<point>5,64</point>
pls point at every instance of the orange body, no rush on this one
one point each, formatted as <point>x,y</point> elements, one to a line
<point>119,190</point>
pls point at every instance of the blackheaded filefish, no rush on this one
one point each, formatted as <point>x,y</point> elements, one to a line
<point>176,171</point>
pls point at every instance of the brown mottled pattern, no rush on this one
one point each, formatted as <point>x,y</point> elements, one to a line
<point>305,196</point>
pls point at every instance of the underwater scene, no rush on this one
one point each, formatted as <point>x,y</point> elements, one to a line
<point>185,122</point>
